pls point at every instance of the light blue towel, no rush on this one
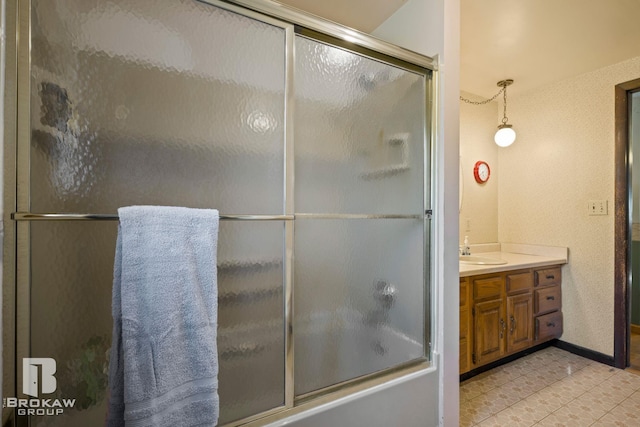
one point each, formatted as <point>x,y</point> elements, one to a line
<point>163,368</point>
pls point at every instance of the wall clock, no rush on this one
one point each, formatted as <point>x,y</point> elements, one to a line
<point>481,172</point>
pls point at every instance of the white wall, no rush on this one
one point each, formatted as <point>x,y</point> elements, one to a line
<point>563,157</point>
<point>416,26</point>
<point>432,27</point>
<point>479,212</point>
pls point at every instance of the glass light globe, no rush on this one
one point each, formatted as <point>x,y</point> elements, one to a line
<point>505,136</point>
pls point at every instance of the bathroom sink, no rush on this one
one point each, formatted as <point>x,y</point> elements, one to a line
<point>481,260</point>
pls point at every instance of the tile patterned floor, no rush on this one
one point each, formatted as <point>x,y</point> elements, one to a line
<point>551,388</point>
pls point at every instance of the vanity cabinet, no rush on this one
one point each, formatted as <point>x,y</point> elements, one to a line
<point>519,287</point>
<point>488,314</point>
<point>520,322</point>
<point>548,303</point>
<point>465,343</point>
<point>508,312</point>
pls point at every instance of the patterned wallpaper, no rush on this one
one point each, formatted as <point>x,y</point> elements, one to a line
<point>563,157</point>
<point>478,124</point>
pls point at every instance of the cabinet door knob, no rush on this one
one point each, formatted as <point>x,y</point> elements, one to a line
<point>513,325</point>
<point>502,328</point>
<point>550,298</point>
<point>550,276</point>
<point>551,324</point>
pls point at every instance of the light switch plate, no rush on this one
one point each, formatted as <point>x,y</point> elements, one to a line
<point>598,207</point>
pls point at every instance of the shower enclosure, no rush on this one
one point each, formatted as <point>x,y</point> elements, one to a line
<point>315,149</point>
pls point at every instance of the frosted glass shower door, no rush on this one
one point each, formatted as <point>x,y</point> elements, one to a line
<point>155,102</point>
<point>360,235</point>
<point>188,103</point>
<point>70,319</point>
<point>163,102</point>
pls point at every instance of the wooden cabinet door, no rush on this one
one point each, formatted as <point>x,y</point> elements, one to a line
<point>489,328</point>
<point>464,342</point>
<point>519,322</point>
<point>465,333</point>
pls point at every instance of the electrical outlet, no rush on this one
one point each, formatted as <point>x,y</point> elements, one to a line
<point>598,207</point>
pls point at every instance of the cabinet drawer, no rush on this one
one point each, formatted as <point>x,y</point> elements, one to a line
<point>489,287</point>
<point>464,292</point>
<point>548,277</point>
<point>548,299</point>
<point>519,282</point>
<point>549,326</point>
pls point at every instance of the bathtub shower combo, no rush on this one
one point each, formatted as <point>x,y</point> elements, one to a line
<point>312,140</point>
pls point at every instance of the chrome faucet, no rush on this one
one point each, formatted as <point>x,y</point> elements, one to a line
<point>384,294</point>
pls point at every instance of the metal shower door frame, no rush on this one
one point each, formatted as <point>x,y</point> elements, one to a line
<point>17,215</point>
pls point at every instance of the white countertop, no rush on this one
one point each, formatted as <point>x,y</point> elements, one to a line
<point>517,256</point>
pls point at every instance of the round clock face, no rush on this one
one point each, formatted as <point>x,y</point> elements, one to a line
<point>481,172</point>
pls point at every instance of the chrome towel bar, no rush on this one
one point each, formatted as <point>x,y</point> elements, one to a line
<point>28,216</point>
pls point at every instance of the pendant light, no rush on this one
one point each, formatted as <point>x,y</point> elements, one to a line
<point>505,135</point>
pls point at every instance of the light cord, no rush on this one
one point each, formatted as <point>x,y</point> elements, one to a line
<point>504,114</point>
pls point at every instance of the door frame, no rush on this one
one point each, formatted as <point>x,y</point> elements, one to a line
<point>622,218</point>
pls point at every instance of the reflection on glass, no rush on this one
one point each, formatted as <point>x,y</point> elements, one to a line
<point>189,112</point>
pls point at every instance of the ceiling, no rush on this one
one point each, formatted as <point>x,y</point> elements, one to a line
<point>534,42</point>
<point>363,15</point>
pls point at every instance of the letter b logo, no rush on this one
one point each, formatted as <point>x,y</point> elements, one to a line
<point>31,375</point>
